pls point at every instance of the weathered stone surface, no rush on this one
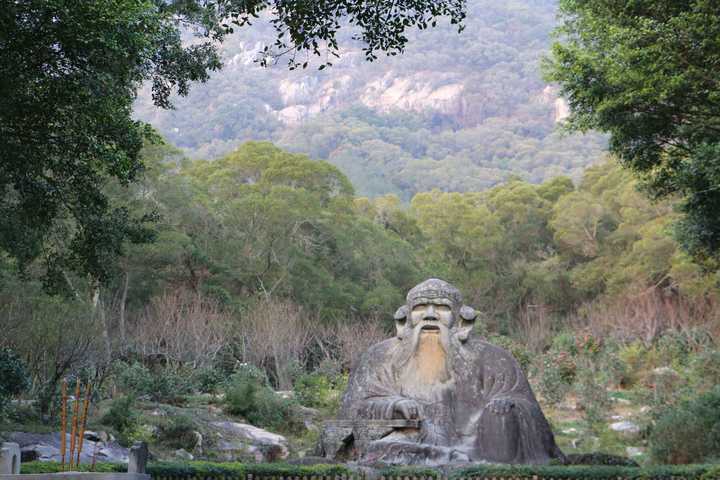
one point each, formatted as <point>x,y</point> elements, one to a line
<point>46,447</point>
<point>239,441</point>
<point>138,457</point>
<point>635,451</point>
<point>183,454</point>
<point>9,458</point>
<point>625,427</point>
<point>96,436</point>
<point>470,400</point>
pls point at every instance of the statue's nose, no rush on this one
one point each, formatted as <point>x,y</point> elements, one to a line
<point>430,314</point>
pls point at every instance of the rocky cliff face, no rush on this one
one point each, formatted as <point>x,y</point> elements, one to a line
<point>420,92</point>
<point>472,108</point>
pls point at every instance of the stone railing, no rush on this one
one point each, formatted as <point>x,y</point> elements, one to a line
<point>10,467</point>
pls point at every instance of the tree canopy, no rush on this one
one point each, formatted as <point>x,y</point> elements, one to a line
<point>70,73</point>
<point>646,72</point>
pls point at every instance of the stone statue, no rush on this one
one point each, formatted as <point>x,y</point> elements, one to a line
<point>435,394</point>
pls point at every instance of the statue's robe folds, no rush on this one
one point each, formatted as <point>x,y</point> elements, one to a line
<point>456,424</point>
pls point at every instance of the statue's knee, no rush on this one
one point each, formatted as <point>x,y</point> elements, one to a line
<point>498,436</point>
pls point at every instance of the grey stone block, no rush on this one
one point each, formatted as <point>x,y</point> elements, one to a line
<point>138,457</point>
<point>10,459</point>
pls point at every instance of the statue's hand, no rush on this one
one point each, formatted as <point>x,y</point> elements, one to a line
<point>407,409</point>
<point>501,406</point>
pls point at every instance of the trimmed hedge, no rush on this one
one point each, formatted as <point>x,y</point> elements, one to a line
<point>54,467</point>
<point>211,470</point>
<point>592,472</point>
<point>202,469</point>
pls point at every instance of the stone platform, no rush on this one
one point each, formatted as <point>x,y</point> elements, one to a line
<point>338,436</point>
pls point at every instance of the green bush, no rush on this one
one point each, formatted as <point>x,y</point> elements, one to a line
<point>163,385</point>
<point>598,458</point>
<point>688,432</point>
<point>179,432</point>
<point>313,390</point>
<point>319,390</point>
<point>14,378</point>
<point>248,396</point>
<point>208,379</point>
<point>592,378</point>
<point>123,418</point>
<point>564,342</point>
<point>673,348</point>
<point>705,370</point>
<point>556,374</point>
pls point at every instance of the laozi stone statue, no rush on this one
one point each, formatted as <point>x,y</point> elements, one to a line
<point>435,394</point>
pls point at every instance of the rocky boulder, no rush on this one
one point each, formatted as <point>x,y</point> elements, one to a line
<point>625,427</point>
<point>241,441</point>
<point>46,447</point>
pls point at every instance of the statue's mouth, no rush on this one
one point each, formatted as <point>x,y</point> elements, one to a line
<point>430,329</point>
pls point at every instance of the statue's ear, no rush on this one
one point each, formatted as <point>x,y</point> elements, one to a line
<point>467,315</point>
<point>467,320</point>
<point>401,317</point>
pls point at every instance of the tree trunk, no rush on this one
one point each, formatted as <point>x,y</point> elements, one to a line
<point>100,314</point>
<point>123,300</point>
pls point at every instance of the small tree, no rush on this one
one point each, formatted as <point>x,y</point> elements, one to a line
<point>14,377</point>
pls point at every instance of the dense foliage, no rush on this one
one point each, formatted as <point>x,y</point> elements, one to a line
<point>646,72</point>
<point>689,432</point>
<point>14,377</point>
<point>71,71</point>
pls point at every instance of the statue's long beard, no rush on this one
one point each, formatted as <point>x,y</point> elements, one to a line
<point>424,361</point>
<point>430,360</point>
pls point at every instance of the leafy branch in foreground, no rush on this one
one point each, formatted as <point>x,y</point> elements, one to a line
<point>71,71</point>
<point>646,72</point>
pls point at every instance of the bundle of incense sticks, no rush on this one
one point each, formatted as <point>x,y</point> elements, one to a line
<point>78,422</point>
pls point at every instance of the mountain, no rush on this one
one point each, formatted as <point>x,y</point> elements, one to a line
<point>458,112</point>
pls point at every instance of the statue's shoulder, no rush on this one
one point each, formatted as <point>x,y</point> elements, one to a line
<point>379,351</point>
<point>485,349</point>
<point>382,348</point>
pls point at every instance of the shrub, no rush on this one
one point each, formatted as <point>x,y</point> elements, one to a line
<point>163,385</point>
<point>208,379</point>
<point>592,377</point>
<point>557,371</point>
<point>705,370</point>
<point>179,432</point>
<point>564,342</point>
<point>123,418</point>
<point>598,458</point>
<point>314,390</point>
<point>673,348</point>
<point>246,395</point>
<point>132,379</point>
<point>635,358</point>
<point>689,432</point>
<point>14,378</point>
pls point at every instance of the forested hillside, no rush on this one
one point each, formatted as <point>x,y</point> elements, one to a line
<point>270,259</point>
<point>458,112</point>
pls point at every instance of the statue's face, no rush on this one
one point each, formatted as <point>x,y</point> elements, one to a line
<point>432,317</point>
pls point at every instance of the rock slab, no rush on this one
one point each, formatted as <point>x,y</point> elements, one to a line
<point>45,447</point>
<point>237,441</point>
